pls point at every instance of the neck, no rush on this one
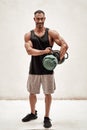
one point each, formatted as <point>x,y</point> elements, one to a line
<point>40,29</point>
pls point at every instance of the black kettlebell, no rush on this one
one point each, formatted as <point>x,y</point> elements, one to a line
<point>56,53</point>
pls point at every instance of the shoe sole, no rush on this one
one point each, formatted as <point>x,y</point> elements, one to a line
<point>30,119</point>
<point>47,126</point>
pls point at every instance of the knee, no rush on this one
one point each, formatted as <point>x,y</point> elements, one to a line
<point>48,96</point>
<point>32,95</point>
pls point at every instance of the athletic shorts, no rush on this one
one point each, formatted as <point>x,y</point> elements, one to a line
<point>47,82</point>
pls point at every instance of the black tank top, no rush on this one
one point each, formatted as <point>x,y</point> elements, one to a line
<point>39,43</point>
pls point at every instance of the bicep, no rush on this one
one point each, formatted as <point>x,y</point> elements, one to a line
<point>28,45</point>
<point>27,40</point>
<point>56,37</point>
<point>61,42</point>
<point>27,37</point>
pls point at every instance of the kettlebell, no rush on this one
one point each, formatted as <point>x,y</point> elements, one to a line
<point>50,61</point>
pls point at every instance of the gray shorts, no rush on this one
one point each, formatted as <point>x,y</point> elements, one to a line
<point>34,83</point>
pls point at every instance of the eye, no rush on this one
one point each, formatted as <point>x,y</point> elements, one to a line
<point>38,19</point>
<point>42,18</point>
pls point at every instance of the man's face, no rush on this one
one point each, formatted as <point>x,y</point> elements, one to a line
<point>39,20</point>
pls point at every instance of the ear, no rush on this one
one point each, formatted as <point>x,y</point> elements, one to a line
<point>34,18</point>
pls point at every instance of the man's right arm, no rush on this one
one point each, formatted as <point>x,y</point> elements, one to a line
<point>32,51</point>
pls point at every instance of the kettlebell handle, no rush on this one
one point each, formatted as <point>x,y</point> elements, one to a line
<point>66,54</point>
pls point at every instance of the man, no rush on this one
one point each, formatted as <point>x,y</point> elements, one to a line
<point>38,43</point>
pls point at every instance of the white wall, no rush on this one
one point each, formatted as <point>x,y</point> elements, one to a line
<point>69,18</point>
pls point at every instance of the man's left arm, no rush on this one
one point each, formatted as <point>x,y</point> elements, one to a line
<point>59,41</point>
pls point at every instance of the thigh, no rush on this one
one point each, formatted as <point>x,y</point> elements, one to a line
<point>48,83</point>
<point>33,84</point>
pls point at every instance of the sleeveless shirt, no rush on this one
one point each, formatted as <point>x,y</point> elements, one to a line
<point>40,43</point>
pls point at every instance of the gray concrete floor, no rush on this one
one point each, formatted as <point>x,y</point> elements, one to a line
<point>65,115</point>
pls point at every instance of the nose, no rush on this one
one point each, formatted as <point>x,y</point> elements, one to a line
<point>40,21</point>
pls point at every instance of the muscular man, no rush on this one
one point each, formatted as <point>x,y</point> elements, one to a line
<point>39,43</point>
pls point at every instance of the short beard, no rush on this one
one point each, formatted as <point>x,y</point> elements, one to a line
<point>40,25</point>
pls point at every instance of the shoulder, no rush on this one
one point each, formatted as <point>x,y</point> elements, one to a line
<point>53,33</point>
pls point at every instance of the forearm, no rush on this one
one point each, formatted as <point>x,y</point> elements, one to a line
<point>63,50</point>
<point>35,52</point>
<point>32,51</point>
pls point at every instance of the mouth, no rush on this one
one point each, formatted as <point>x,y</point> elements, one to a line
<point>39,23</point>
